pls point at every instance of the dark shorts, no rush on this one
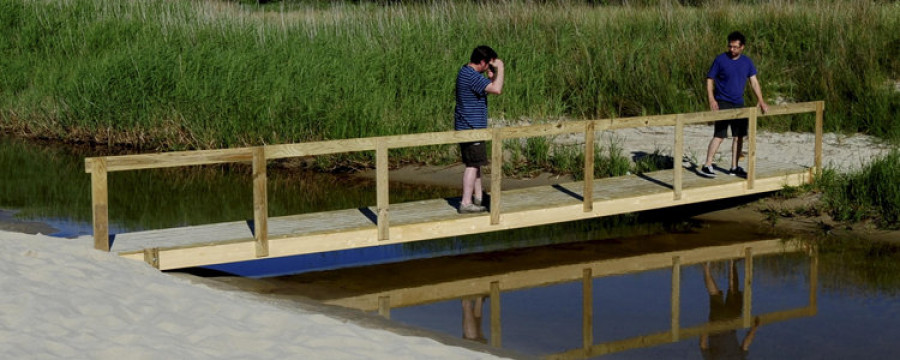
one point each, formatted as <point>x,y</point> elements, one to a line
<point>726,308</point>
<point>738,126</point>
<point>474,154</point>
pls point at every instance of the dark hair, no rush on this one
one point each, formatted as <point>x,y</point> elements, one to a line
<point>482,52</point>
<point>737,36</point>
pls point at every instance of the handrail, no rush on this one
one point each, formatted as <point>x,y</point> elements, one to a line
<point>99,167</point>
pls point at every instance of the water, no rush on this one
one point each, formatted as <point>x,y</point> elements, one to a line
<point>841,305</point>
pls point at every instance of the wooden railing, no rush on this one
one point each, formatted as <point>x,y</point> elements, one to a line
<point>99,167</point>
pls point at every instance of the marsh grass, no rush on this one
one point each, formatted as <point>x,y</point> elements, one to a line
<point>160,74</point>
<point>868,194</point>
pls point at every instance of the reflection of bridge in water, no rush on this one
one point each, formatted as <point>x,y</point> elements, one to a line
<point>387,223</point>
<point>494,286</point>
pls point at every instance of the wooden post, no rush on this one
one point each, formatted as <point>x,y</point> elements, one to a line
<point>495,314</point>
<point>751,152</point>
<point>496,174</point>
<point>676,298</point>
<point>748,286</point>
<point>381,182</point>
<point>151,256</point>
<point>384,306</point>
<point>260,203</point>
<point>587,304</point>
<point>589,167</point>
<point>820,120</point>
<point>677,155</point>
<point>100,203</point>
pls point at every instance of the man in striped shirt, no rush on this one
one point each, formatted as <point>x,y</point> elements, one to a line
<point>472,88</point>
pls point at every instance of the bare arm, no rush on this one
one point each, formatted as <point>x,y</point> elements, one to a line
<point>496,85</point>
<point>754,83</point>
<point>713,104</point>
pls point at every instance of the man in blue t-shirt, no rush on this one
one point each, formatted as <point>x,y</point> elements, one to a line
<point>472,88</point>
<point>725,85</point>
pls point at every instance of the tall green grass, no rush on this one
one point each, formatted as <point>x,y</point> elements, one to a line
<point>162,74</point>
<point>871,193</point>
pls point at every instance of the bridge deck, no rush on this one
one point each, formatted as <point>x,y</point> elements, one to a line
<point>429,219</point>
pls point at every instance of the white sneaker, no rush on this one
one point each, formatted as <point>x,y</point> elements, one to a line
<point>471,209</point>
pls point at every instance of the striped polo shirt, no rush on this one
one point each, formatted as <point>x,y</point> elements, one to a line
<point>471,99</point>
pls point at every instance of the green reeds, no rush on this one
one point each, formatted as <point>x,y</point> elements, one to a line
<point>868,194</point>
<point>206,74</point>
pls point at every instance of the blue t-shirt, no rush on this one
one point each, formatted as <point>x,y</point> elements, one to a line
<point>730,77</point>
<point>471,100</point>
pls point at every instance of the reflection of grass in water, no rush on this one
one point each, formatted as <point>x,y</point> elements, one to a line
<point>50,182</point>
<point>859,266</point>
<point>43,181</point>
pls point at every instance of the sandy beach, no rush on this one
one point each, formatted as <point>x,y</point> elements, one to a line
<point>62,299</point>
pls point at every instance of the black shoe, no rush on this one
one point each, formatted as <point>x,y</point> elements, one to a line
<point>707,171</point>
<point>738,171</point>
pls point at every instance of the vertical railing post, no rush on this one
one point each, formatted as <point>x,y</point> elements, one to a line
<point>820,120</point>
<point>589,167</point>
<point>676,298</point>
<point>260,202</point>
<point>748,286</point>
<point>677,155</point>
<point>100,203</point>
<point>496,332</point>
<point>751,152</point>
<point>381,182</point>
<point>496,173</point>
<point>587,304</point>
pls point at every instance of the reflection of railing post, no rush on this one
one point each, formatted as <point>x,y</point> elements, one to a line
<point>587,304</point>
<point>820,118</point>
<point>589,166</point>
<point>813,279</point>
<point>748,285</point>
<point>495,314</point>
<point>260,203</point>
<point>751,152</point>
<point>100,203</point>
<point>677,154</point>
<point>384,306</point>
<point>676,297</point>
<point>496,174</point>
<point>381,183</point>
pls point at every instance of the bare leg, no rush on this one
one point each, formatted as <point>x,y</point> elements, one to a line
<point>737,145</point>
<point>711,151</point>
<point>478,191</point>
<point>733,280</point>
<point>471,176</point>
<point>711,287</point>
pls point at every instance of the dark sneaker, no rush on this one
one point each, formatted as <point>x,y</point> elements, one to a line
<point>476,201</point>
<point>738,171</point>
<point>471,209</point>
<point>707,171</point>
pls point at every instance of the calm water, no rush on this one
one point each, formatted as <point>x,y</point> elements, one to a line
<point>840,304</point>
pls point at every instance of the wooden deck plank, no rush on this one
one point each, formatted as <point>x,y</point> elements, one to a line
<point>425,219</point>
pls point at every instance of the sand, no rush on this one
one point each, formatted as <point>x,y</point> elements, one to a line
<point>62,299</point>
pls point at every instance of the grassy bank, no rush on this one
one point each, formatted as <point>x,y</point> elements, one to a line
<point>869,194</point>
<point>208,74</point>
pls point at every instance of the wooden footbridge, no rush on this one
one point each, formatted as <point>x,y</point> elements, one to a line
<point>387,223</point>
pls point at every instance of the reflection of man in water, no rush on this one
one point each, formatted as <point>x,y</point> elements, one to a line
<point>724,345</point>
<point>471,319</point>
